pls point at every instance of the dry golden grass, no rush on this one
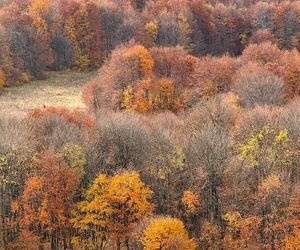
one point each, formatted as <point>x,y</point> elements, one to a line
<point>60,90</point>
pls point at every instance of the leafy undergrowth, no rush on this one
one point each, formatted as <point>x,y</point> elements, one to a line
<point>59,90</point>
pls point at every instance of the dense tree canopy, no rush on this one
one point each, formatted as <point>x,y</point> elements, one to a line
<point>190,135</point>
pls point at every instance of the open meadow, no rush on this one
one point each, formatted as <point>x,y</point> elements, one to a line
<point>62,89</point>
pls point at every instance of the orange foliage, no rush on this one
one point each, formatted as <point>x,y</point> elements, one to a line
<point>45,205</point>
<point>2,79</point>
<point>34,52</point>
<point>262,36</point>
<point>145,60</point>
<point>148,96</point>
<point>82,27</point>
<point>214,75</point>
<point>191,201</point>
<point>78,118</point>
<point>291,71</point>
<point>175,63</point>
<point>141,102</point>
<point>267,57</point>
<point>248,69</point>
<point>143,81</point>
<point>127,66</point>
<point>272,194</point>
<point>264,53</point>
<point>210,236</point>
<point>39,6</point>
<point>292,239</point>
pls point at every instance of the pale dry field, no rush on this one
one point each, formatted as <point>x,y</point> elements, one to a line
<point>59,90</point>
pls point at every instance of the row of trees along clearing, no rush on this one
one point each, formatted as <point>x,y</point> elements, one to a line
<point>41,35</point>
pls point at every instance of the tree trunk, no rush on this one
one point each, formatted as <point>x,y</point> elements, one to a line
<point>118,245</point>
<point>127,244</point>
<point>3,242</point>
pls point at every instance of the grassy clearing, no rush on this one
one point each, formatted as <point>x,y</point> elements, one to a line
<point>59,90</point>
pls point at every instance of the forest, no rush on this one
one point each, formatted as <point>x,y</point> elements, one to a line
<point>189,138</point>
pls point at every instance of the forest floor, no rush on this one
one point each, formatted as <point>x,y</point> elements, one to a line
<point>61,89</point>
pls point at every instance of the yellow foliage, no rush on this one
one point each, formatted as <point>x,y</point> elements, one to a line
<point>295,41</point>
<point>146,61</point>
<point>282,136</point>
<point>232,101</point>
<point>127,100</point>
<point>175,162</point>
<point>25,78</point>
<point>75,157</point>
<point>83,63</point>
<point>191,201</point>
<point>186,31</point>
<point>166,234</point>
<point>185,26</point>
<point>233,220</point>
<point>244,38</point>
<point>152,29</point>
<point>211,89</point>
<point>211,236</point>
<point>162,94</point>
<point>41,25</point>
<point>37,10</point>
<point>268,147</point>
<point>78,30</point>
<point>269,185</point>
<point>70,27</point>
<point>39,6</point>
<point>113,206</point>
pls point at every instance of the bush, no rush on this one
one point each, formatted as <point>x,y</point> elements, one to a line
<point>214,75</point>
<point>263,53</point>
<point>83,63</point>
<point>289,118</point>
<point>25,78</point>
<point>260,89</point>
<point>253,121</point>
<point>173,62</point>
<point>262,36</point>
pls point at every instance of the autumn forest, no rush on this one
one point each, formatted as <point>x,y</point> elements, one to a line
<point>189,135</point>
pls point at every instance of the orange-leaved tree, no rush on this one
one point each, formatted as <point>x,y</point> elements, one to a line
<point>43,209</point>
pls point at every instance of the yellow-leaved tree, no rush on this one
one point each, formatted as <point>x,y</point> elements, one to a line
<point>152,29</point>
<point>166,234</point>
<point>267,151</point>
<point>111,210</point>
